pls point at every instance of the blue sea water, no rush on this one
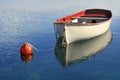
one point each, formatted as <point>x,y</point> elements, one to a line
<point>17,27</point>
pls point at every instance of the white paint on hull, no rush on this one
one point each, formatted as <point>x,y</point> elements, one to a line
<point>76,33</point>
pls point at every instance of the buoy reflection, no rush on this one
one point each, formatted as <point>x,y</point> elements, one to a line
<point>26,57</point>
<point>78,51</point>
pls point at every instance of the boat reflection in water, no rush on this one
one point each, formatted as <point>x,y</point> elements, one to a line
<point>78,51</point>
<point>26,57</point>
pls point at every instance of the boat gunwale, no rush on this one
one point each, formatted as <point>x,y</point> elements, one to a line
<point>104,14</point>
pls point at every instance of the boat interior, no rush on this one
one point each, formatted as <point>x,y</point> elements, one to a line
<point>85,20</point>
<point>93,16</point>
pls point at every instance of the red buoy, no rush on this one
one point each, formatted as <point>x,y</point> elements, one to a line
<point>26,49</point>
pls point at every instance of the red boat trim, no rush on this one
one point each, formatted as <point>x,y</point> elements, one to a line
<point>69,18</point>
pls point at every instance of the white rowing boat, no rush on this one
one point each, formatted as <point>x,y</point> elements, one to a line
<point>83,25</point>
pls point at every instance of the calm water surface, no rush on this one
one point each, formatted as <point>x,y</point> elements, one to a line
<point>52,62</point>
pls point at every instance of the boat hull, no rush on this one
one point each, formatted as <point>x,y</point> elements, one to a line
<point>73,33</point>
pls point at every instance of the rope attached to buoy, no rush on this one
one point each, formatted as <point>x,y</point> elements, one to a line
<point>34,47</point>
<point>39,49</point>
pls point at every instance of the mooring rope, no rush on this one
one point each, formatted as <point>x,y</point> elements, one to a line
<point>41,49</point>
